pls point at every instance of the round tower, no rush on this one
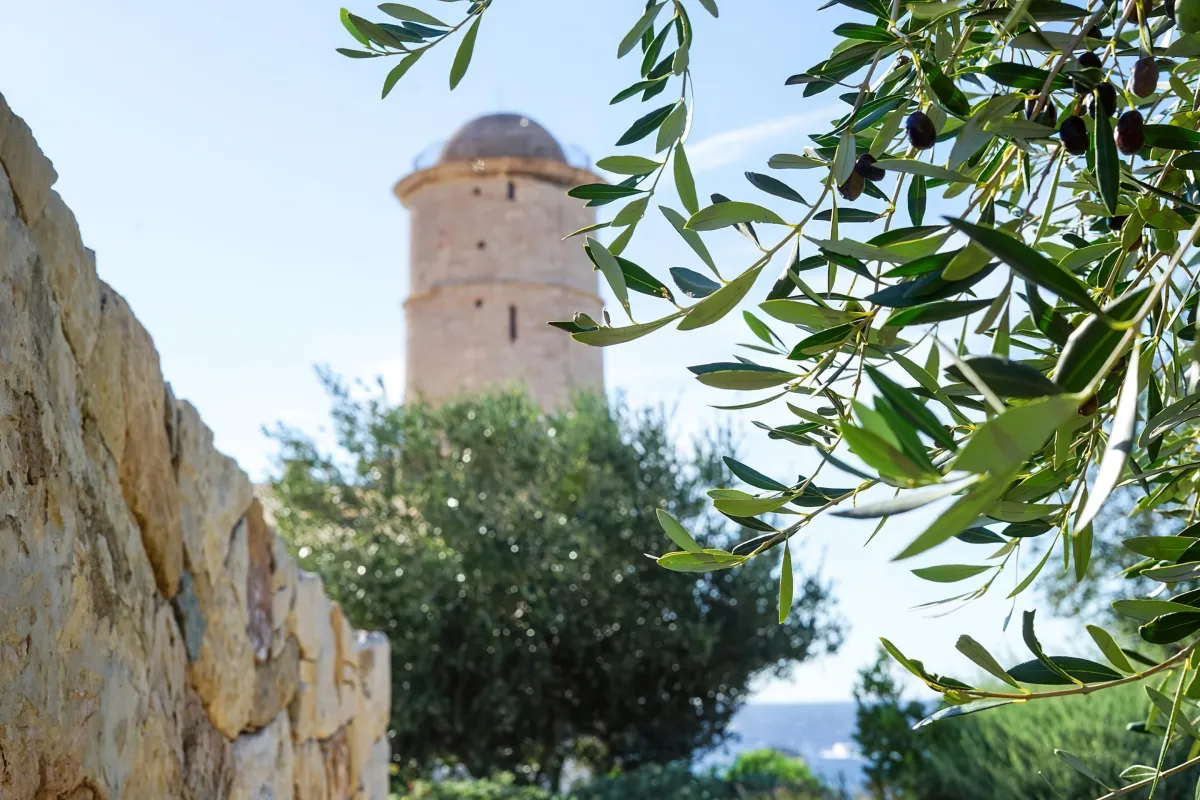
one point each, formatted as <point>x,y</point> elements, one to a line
<point>488,267</point>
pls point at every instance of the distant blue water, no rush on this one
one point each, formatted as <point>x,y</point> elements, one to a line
<point>820,733</point>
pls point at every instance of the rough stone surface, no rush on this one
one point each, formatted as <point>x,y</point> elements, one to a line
<point>263,764</point>
<point>207,754</point>
<point>373,780</point>
<point>375,680</point>
<point>275,684</point>
<point>309,771</point>
<point>147,474</point>
<point>72,275</point>
<point>259,596</point>
<point>149,641</point>
<point>283,595</point>
<point>104,393</point>
<point>29,171</point>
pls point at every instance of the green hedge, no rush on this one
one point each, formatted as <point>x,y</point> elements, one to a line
<point>756,775</point>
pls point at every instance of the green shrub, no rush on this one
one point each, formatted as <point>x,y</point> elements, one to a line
<point>501,787</point>
<point>652,782</point>
<point>1013,753</point>
<point>764,769</point>
<point>1010,753</point>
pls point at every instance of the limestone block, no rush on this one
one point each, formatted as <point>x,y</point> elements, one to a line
<point>30,172</point>
<point>316,707</point>
<point>375,682</point>
<point>339,781</point>
<point>324,702</point>
<point>215,494</point>
<point>190,616</point>
<point>309,620</point>
<point>358,743</point>
<point>259,597</point>
<point>207,755</point>
<point>72,275</point>
<point>263,763</point>
<point>283,594</point>
<point>309,775</point>
<point>103,392</point>
<point>224,674</point>
<point>147,473</point>
<point>275,684</point>
<point>373,780</point>
<point>346,665</point>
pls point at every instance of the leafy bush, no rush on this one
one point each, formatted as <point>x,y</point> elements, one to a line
<point>1009,751</point>
<point>500,787</point>
<point>761,775</point>
<point>767,769</point>
<point>502,550</point>
<point>655,781</point>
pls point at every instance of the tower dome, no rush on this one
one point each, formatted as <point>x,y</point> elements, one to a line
<point>502,136</point>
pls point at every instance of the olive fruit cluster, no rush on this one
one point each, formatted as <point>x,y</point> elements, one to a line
<point>864,170</point>
<point>1102,99</point>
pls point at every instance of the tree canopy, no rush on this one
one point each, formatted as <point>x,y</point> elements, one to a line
<point>501,550</point>
<point>1014,359</point>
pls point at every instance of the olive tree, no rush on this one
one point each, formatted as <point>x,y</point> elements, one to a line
<point>1015,360</point>
<point>500,550</point>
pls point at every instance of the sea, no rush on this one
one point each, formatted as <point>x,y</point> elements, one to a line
<point>820,733</point>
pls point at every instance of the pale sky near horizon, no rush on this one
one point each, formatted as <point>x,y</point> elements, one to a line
<point>234,176</point>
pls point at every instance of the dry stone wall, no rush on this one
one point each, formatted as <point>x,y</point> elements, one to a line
<point>156,640</point>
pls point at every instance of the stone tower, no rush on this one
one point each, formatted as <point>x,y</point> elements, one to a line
<point>488,267</point>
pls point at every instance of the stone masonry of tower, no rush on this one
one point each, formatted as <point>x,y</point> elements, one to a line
<point>488,267</point>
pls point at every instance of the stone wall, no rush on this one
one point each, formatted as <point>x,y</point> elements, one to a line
<point>156,641</point>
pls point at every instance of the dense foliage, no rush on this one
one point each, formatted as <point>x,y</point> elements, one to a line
<point>754,775</point>
<point>501,550</point>
<point>1010,751</point>
<point>992,359</point>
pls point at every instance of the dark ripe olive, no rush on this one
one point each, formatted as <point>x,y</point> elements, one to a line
<point>1087,61</point>
<point>1105,97</point>
<point>1144,78</point>
<point>853,187</point>
<point>1049,115</point>
<point>1116,223</point>
<point>865,166</point>
<point>921,133</point>
<point>1131,136</point>
<point>1090,406</point>
<point>1144,8</point>
<point>1094,33</point>
<point>1074,136</point>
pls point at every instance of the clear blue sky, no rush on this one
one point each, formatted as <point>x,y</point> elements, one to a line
<point>234,176</point>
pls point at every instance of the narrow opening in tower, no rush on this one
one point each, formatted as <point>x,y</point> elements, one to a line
<point>512,323</point>
<point>512,191</point>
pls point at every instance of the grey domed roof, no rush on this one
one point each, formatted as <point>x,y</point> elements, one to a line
<point>501,135</point>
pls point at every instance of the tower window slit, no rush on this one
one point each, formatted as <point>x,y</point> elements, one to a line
<point>512,191</point>
<point>512,323</point>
